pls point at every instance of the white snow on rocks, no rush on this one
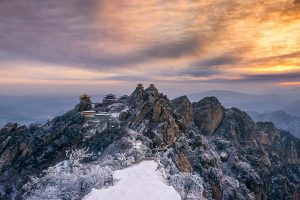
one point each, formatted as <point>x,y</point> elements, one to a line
<point>224,156</point>
<point>115,115</point>
<point>141,181</point>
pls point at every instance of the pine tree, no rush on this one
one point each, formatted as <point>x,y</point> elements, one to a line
<point>85,97</point>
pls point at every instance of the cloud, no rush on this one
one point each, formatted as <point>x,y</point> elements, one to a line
<point>258,78</point>
<point>166,50</point>
<point>127,78</point>
<point>294,54</point>
<point>272,77</point>
<point>216,61</point>
<point>153,40</point>
<point>192,73</point>
<point>68,32</point>
<point>206,67</point>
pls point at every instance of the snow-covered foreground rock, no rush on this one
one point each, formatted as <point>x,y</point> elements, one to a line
<point>141,181</point>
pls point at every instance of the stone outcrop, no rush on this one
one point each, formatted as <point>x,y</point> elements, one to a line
<point>184,107</point>
<point>150,106</point>
<point>238,127</point>
<point>255,151</point>
<point>22,146</point>
<point>208,114</point>
<point>137,97</point>
<point>183,163</point>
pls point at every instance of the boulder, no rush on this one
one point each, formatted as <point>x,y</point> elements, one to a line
<point>208,115</point>
<point>224,156</point>
<point>184,107</point>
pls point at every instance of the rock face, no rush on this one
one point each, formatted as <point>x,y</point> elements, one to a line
<point>208,115</point>
<point>183,163</point>
<point>184,107</point>
<point>238,127</point>
<point>153,110</point>
<point>137,96</point>
<point>21,146</point>
<point>224,154</point>
<point>255,151</point>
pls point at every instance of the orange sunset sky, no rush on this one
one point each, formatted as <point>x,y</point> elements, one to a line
<point>184,46</point>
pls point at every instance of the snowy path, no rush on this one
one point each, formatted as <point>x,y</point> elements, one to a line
<point>141,181</point>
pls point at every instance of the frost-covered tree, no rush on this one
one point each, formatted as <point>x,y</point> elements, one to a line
<point>188,185</point>
<point>77,155</point>
<point>85,97</point>
<point>69,179</point>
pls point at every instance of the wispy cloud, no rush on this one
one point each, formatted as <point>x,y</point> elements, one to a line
<point>155,40</point>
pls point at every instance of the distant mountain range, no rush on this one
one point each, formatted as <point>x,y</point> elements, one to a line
<point>293,109</point>
<point>281,119</point>
<point>39,109</point>
<point>289,102</point>
<point>35,109</point>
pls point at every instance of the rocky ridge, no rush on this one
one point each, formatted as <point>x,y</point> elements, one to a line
<point>216,153</point>
<point>281,120</point>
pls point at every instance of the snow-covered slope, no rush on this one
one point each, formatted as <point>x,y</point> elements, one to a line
<point>141,181</point>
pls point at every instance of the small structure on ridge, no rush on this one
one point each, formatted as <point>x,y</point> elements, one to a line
<point>89,113</point>
<point>152,86</point>
<point>110,99</point>
<point>140,86</point>
<point>152,90</point>
<point>84,104</point>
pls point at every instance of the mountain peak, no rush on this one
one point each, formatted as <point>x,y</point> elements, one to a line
<point>208,114</point>
<point>217,153</point>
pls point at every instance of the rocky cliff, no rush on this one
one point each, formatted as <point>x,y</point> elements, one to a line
<point>216,153</point>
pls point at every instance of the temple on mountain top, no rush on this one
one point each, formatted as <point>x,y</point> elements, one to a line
<point>91,109</point>
<point>109,99</point>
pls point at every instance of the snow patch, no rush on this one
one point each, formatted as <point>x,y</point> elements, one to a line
<point>115,115</point>
<point>125,109</point>
<point>141,181</point>
<point>137,145</point>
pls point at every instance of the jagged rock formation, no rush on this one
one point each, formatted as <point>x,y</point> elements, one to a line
<point>259,154</point>
<point>216,153</point>
<point>208,115</point>
<point>21,145</point>
<point>153,111</point>
<point>184,107</point>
